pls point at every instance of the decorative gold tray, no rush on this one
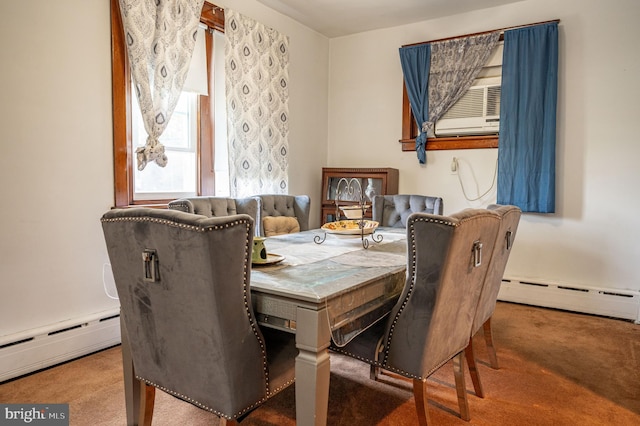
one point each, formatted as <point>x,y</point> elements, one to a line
<point>350,227</point>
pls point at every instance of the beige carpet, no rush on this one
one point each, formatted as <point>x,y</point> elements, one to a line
<point>557,368</point>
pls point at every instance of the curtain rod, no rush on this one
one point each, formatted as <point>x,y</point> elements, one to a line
<point>502,30</point>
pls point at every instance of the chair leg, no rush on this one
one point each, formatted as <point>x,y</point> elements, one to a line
<point>488,338</point>
<point>473,369</point>
<point>461,389</point>
<point>147,401</point>
<point>420,395</point>
<point>374,372</point>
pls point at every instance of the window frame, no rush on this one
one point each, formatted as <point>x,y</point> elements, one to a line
<point>410,133</point>
<point>123,157</point>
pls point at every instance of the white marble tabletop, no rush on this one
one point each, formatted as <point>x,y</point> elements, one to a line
<point>316,272</point>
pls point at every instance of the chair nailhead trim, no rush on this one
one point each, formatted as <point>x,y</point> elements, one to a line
<point>205,407</point>
<point>181,206</point>
<point>247,266</point>
<point>197,228</point>
<point>249,312</point>
<point>411,286</point>
<point>378,363</point>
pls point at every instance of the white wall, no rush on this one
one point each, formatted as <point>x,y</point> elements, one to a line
<point>592,239</point>
<point>56,163</point>
<point>56,160</point>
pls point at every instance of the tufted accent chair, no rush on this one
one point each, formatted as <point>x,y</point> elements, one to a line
<point>509,220</point>
<point>281,205</point>
<point>183,281</point>
<point>394,210</point>
<point>217,206</point>
<point>448,259</point>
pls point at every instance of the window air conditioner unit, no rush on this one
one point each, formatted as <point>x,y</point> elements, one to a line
<point>477,112</point>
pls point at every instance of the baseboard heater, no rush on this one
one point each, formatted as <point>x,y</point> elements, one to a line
<point>624,304</point>
<point>30,351</point>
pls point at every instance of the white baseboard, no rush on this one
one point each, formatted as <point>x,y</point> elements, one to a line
<point>30,351</point>
<point>599,301</point>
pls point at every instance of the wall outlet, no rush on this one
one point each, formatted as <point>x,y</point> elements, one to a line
<point>454,166</point>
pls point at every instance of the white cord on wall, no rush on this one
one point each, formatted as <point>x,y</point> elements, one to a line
<point>455,167</point>
<point>107,275</point>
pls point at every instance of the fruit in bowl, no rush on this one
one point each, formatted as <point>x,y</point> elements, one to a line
<point>354,211</point>
<point>351,227</point>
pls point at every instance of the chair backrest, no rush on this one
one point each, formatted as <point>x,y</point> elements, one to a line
<point>448,258</point>
<point>510,218</point>
<point>184,289</point>
<point>282,206</point>
<point>217,206</point>
<point>394,210</point>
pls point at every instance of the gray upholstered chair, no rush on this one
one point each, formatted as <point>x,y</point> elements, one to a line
<point>217,206</point>
<point>394,210</point>
<point>183,281</point>
<point>430,324</point>
<point>283,214</point>
<point>510,218</point>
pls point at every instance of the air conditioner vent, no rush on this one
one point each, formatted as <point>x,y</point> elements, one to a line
<point>469,105</point>
<point>493,100</point>
<point>477,112</point>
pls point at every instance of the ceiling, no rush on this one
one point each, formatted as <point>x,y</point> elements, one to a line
<point>335,18</point>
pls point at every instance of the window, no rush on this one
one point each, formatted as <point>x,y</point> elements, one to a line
<point>180,139</point>
<point>189,137</point>
<point>460,127</point>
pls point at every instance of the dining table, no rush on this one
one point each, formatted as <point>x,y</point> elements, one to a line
<point>326,287</point>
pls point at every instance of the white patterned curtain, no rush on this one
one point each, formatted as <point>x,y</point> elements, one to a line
<point>160,35</point>
<point>455,64</point>
<point>257,89</point>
